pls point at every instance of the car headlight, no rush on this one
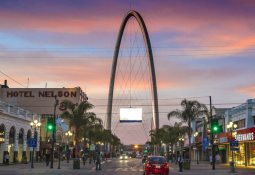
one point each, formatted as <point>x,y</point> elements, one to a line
<point>126,157</point>
<point>121,157</point>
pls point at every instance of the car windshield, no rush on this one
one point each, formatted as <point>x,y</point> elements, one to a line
<point>157,160</point>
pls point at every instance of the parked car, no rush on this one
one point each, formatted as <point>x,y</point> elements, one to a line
<point>156,165</point>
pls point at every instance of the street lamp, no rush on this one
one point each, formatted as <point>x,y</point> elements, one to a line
<point>53,132</point>
<point>68,134</point>
<point>181,140</point>
<point>232,127</point>
<point>195,135</point>
<point>34,125</point>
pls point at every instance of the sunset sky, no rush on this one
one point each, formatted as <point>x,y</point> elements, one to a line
<point>201,48</point>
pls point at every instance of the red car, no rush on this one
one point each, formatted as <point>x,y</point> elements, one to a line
<point>156,165</point>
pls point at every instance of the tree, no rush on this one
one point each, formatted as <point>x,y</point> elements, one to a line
<point>92,130</point>
<point>171,134</point>
<point>156,138</point>
<point>190,111</point>
<point>78,117</point>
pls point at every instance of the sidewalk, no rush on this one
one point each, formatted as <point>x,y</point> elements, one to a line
<point>40,167</point>
<point>204,168</point>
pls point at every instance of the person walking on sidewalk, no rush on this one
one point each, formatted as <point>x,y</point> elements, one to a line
<point>217,158</point>
<point>47,157</point>
<point>210,158</point>
<point>6,157</point>
<point>98,161</point>
<point>84,158</point>
<point>180,162</point>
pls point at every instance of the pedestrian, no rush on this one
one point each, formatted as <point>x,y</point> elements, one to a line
<point>90,158</point>
<point>6,157</point>
<point>47,157</point>
<point>217,158</point>
<point>84,158</point>
<point>68,154</point>
<point>98,161</point>
<point>210,158</point>
<point>180,162</point>
<point>94,157</point>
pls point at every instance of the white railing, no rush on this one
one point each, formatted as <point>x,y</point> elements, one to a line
<point>16,111</point>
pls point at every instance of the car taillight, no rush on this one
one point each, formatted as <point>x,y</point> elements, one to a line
<point>148,165</point>
<point>166,165</point>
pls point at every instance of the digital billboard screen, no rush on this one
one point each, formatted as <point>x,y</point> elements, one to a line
<point>131,114</point>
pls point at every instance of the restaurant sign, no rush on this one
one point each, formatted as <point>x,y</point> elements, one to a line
<point>246,134</point>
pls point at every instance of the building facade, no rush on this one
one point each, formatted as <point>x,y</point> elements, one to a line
<point>244,117</point>
<point>15,130</point>
<point>201,135</point>
<point>42,102</point>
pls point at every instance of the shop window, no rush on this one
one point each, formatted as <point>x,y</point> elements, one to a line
<point>240,123</point>
<point>251,153</point>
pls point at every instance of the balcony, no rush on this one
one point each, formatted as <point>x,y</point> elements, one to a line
<point>15,111</point>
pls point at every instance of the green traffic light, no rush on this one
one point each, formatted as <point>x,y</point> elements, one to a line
<point>215,128</point>
<point>50,127</point>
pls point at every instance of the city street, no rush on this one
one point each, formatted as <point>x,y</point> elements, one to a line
<point>152,86</point>
<point>114,167</point>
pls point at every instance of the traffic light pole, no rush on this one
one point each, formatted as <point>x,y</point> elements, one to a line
<point>53,132</point>
<point>212,135</point>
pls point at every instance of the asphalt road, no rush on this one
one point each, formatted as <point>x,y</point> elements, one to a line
<point>110,167</point>
<point>115,167</point>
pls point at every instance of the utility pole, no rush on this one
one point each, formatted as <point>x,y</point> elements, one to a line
<point>59,154</point>
<point>53,132</point>
<point>212,136</point>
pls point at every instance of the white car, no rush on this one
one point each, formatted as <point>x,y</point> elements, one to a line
<point>139,156</point>
<point>123,157</point>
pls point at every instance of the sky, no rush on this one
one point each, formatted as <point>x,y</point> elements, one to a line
<point>201,48</point>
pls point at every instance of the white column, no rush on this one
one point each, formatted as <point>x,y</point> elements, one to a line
<point>38,140</point>
<point>24,146</point>
<point>6,139</point>
<point>16,141</point>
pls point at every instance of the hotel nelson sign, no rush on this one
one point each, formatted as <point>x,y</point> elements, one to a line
<point>41,94</point>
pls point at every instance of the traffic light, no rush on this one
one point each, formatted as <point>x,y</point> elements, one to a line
<point>146,150</point>
<point>215,127</point>
<point>50,124</point>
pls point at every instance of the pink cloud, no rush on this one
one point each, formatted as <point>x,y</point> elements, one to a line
<point>248,90</point>
<point>14,20</point>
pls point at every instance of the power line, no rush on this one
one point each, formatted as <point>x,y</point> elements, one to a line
<point>162,105</point>
<point>12,79</point>
<point>178,98</point>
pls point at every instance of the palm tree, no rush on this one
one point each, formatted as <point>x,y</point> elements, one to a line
<point>171,134</point>
<point>78,116</point>
<point>92,130</point>
<point>115,142</point>
<point>156,138</point>
<point>190,111</point>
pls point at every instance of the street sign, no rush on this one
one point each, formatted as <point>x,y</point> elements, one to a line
<point>233,143</point>
<point>234,149</point>
<point>205,143</point>
<point>32,142</point>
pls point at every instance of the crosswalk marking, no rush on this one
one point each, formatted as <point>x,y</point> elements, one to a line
<point>121,169</point>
